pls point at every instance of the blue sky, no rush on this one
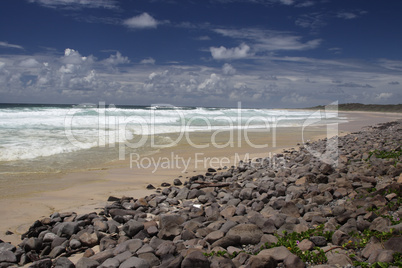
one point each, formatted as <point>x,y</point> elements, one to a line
<point>264,53</point>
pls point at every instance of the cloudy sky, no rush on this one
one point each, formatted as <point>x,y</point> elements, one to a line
<point>264,53</point>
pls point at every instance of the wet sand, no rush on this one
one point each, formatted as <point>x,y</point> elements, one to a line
<point>30,197</point>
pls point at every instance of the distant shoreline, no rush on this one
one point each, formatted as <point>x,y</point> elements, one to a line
<point>359,107</point>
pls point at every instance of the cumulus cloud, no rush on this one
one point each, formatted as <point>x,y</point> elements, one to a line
<point>142,21</point>
<point>384,96</point>
<point>228,69</point>
<point>269,83</point>
<point>148,61</point>
<point>116,59</point>
<point>220,53</point>
<point>29,63</point>
<point>8,45</point>
<point>110,4</point>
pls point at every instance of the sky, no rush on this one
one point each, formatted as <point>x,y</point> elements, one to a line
<point>214,53</point>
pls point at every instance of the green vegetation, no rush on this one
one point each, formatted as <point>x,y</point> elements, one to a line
<point>394,154</point>
<point>397,262</point>
<point>357,240</point>
<point>397,108</point>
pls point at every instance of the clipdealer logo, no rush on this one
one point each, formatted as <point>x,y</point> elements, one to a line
<point>114,129</point>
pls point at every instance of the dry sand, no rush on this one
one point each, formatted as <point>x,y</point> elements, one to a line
<point>31,197</point>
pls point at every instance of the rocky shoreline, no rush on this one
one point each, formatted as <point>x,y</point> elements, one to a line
<point>290,210</point>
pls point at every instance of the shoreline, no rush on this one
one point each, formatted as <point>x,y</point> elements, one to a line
<point>85,191</point>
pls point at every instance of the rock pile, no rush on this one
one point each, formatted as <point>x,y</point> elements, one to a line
<point>290,210</point>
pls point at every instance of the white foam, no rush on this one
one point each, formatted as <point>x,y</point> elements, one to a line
<point>28,133</point>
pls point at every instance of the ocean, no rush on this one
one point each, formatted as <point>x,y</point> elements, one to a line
<point>47,138</point>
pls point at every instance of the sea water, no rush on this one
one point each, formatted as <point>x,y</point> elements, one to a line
<point>53,138</point>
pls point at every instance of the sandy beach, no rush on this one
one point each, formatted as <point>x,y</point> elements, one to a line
<point>31,196</point>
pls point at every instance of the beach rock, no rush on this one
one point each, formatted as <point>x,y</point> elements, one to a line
<point>339,237</point>
<point>338,259</point>
<point>102,256</point>
<point>227,240</point>
<point>86,263</point>
<point>381,256</point>
<point>248,233</point>
<point>220,262</point>
<point>88,239</point>
<point>261,261</point>
<point>292,261</point>
<point>170,226</point>
<point>8,256</point>
<point>132,227</point>
<point>214,236</point>
<point>165,248</point>
<point>150,187</point>
<point>7,247</point>
<point>278,253</point>
<point>195,259</point>
<point>177,182</point>
<point>318,241</point>
<point>123,256</point>
<point>56,251</point>
<point>44,263</point>
<point>67,228</point>
<point>131,245</point>
<point>249,203</point>
<point>150,258</point>
<point>33,244</point>
<point>63,262</point>
<point>394,243</point>
<point>110,263</point>
<point>134,262</point>
<point>306,245</point>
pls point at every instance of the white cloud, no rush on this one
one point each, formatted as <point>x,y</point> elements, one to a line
<point>148,61</point>
<point>266,40</point>
<point>295,99</point>
<point>142,21</point>
<point>346,15</point>
<point>306,4</point>
<point>210,82</point>
<point>314,21</point>
<point>8,45</point>
<point>29,63</point>
<point>72,56</point>
<point>383,96</point>
<point>203,38</point>
<point>219,53</point>
<point>336,50</point>
<point>287,2</point>
<point>228,69</point>
<point>391,64</point>
<point>270,82</point>
<point>110,4</point>
<point>116,59</point>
